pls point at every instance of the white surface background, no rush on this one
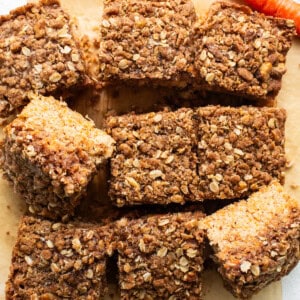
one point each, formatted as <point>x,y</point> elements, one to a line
<point>7,5</point>
<point>291,283</point>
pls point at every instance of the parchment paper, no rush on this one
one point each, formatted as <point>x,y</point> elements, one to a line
<point>88,13</point>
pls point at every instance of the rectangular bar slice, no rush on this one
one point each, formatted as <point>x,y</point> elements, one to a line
<point>239,150</point>
<point>231,50</point>
<point>146,42</point>
<point>50,153</point>
<point>59,261</point>
<point>191,155</point>
<point>37,52</point>
<point>256,241</point>
<point>154,160</point>
<point>242,52</point>
<point>161,257</point>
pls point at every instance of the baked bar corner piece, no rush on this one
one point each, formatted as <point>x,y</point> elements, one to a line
<point>242,52</point>
<point>256,241</point>
<point>161,256</point>
<point>240,149</point>
<point>50,153</point>
<point>147,42</point>
<point>58,261</point>
<point>154,161</point>
<point>39,52</point>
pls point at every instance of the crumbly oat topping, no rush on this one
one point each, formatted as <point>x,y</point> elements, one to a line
<point>37,52</point>
<point>154,161</point>
<point>59,261</point>
<point>240,51</point>
<point>142,40</point>
<point>161,257</point>
<point>256,241</point>
<point>239,149</point>
<point>50,153</point>
<point>234,50</point>
<point>209,153</point>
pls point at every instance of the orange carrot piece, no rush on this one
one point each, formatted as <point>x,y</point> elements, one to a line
<point>287,9</point>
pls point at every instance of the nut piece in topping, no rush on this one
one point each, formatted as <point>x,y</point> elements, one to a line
<point>40,270</point>
<point>50,154</point>
<point>239,149</point>
<point>170,263</point>
<point>36,45</point>
<point>257,241</point>
<point>154,161</point>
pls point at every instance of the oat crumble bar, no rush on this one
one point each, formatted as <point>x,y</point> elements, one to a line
<point>146,42</point>
<point>37,52</point>
<point>50,153</point>
<point>242,52</point>
<point>232,50</point>
<point>59,261</point>
<point>154,161</point>
<point>239,149</point>
<point>256,241</point>
<point>192,155</point>
<point>161,257</point>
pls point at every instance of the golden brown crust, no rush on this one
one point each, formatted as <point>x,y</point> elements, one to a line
<point>256,241</point>
<point>50,153</point>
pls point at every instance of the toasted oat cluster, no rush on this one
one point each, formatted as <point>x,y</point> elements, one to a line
<point>239,149</point>
<point>50,153</point>
<point>161,257</point>
<point>154,160</point>
<point>146,42</point>
<point>59,261</point>
<point>191,155</point>
<point>242,52</point>
<point>37,52</point>
<point>256,241</point>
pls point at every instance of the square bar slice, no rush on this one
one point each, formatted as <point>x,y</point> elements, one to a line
<point>256,241</point>
<point>242,52</point>
<point>239,149</point>
<point>37,52</point>
<point>50,153</point>
<point>161,256</point>
<point>146,42</point>
<point>59,261</point>
<point>154,161</point>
